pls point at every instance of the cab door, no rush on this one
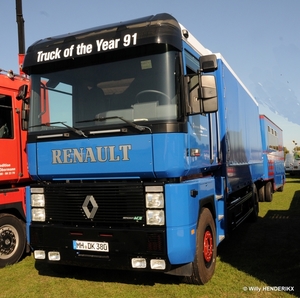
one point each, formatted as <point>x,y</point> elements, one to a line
<point>9,140</point>
<point>204,148</point>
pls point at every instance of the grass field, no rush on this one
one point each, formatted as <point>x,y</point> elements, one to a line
<point>255,261</point>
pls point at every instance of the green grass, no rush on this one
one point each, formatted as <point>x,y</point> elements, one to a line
<point>256,255</point>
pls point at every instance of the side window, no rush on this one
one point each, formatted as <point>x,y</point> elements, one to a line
<point>6,126</point>
<point>192,64</point>
<point>56,102</point>
<point>199,122</point>
<point>273,141</point>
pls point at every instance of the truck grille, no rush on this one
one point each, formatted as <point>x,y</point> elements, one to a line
<point>116,204</point>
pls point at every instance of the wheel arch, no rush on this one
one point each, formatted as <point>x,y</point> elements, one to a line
<point>208,202</point>
<point>15,209</point>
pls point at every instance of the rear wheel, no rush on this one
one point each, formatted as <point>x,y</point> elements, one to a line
<point>206,250</point>
<point>261,193</point>
<point>268,192</point>
<point>12,239</point>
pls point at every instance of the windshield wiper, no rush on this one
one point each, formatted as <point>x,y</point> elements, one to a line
<point>138,127</point>
<point>74,129</point>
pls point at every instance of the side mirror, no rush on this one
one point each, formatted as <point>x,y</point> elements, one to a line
<point>203,94</point>
<point>22,95</point>
<point>203,87</point>
<point>22,92</point>
<point>208,87</point>
<point>208,63</point>
<point>208,94</point>
<point>25,115</point>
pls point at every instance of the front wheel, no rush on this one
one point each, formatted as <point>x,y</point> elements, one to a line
<point>12,239</point>
<point>206,251</point>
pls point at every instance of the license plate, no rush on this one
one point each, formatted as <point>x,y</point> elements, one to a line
<point>90,246</point>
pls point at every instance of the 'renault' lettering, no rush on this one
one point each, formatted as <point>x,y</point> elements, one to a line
<point>91,155</point>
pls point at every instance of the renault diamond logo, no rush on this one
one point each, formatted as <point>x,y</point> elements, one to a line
<point>88,213</point>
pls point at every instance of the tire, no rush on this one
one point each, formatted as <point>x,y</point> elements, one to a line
<point>12,239</point>
<point>268,192</point>
<point>261,193</point>
<point>206,250</point>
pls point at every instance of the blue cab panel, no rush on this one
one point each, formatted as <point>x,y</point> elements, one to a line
<point>182,217</point>
<point>114,157</point>
<point>95,158</point>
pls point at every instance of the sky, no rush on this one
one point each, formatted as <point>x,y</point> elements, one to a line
<point>259,39</point>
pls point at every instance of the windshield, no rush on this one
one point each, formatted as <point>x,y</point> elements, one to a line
<point>140,89</point>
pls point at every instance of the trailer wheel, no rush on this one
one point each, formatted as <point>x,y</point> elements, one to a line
<point>206,250</point>
<point>12,239</point>
<point>268,192</point>
<point>261,193</point>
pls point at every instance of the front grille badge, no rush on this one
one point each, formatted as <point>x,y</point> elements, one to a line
<point>88,213</point>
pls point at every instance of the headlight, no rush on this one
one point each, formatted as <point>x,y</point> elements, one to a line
<point>154,200</point>
<point>158,264</point>
<point>37,200</point>
<point>38,214</point>
<point>39,254</point>
<point>138,263</point>
<point>54,256</point>
<point>155,217</point>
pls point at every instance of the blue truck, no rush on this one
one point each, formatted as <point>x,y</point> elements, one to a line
<point>145,149</point>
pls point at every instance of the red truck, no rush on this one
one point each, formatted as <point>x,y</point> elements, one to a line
<point>13,170</point>
<point>14,174</point>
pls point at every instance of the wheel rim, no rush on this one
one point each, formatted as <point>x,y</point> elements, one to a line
<point>9,241</point>
<point>208,246</point>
